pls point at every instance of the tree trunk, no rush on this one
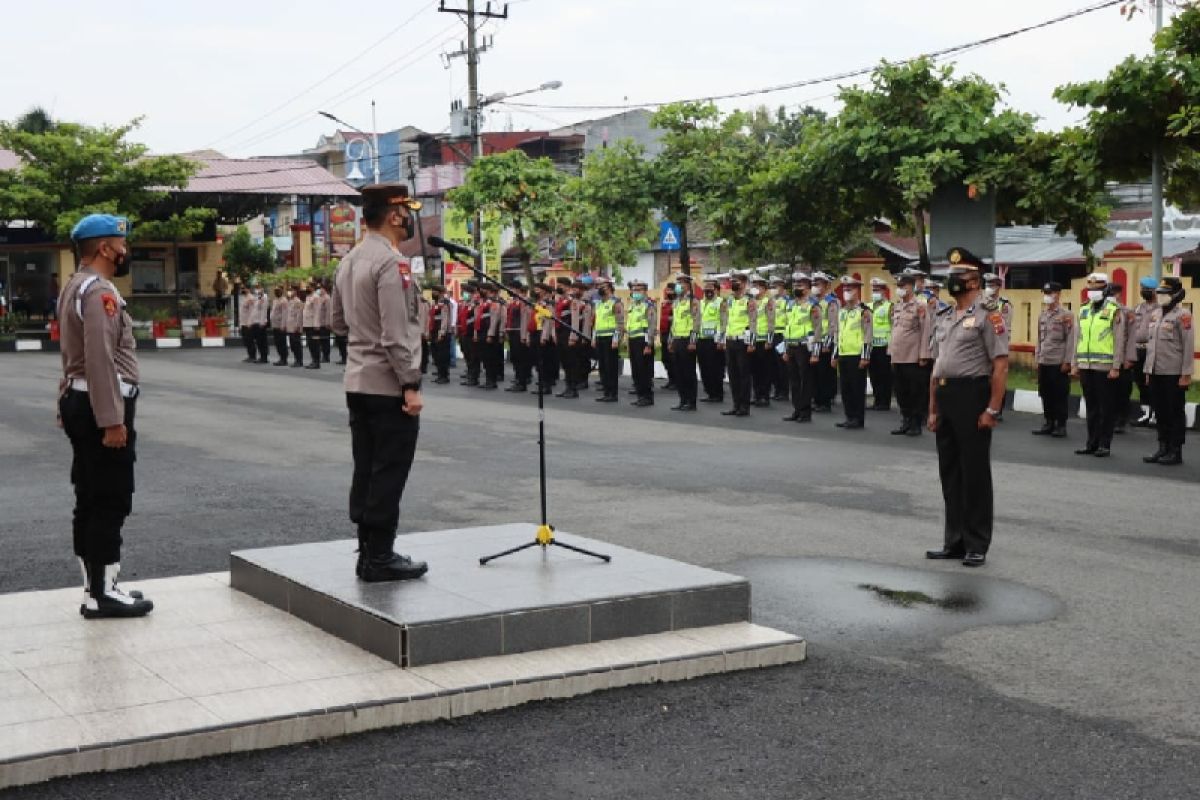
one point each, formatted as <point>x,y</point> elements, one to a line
<point>526,262</point>
<point>922,245</point>
<point>685,260</point>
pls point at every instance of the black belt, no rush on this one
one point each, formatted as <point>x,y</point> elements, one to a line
<point>963,381</point>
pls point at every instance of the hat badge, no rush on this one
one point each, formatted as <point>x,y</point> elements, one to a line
<point>955,257</point>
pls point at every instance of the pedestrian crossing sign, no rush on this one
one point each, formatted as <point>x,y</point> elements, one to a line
<point>668,235</point>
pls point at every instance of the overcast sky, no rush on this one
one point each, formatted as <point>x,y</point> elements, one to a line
<point>215,73</point>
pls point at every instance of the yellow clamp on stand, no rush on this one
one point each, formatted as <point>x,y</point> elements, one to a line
<point>542,315</point>
<point>545,534</point>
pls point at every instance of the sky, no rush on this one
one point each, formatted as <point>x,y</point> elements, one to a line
<point>247,79</point>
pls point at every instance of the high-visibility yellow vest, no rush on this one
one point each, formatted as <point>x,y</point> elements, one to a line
<point>850,331</point>
<point>739,317</point>
<point>799,323</point>
<point>681,319</point>
<point>637,321</point>
<point>606,318</point>
<point>782,306</point>
<point>881,323</point>
<point>1096,332</point>
<point>760,324</point>
<point>710,317</point>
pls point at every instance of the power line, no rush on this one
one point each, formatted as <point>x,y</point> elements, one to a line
<point>937,54</point>
<point>356,59</point>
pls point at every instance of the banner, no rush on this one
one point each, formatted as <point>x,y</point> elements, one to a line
<point>343,229</point>
<point>456,227</point>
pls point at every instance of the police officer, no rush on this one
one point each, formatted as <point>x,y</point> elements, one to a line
<point>467,311</point>
<point>909,354</point>
<point>582,318</point>
<point>441,328</point>
<point>825,388</point>
<point>666,313</point>
<point>1053,358</point>
<point>740,343</point>
<point>853,353</point>
<point>802,332</point>
<point>782,303</point>
<point>375,303</point>
<point>312,329</point>
<point>609,330</point>
<point>515,334</point>
<point>323,329</point>
<point>713,316</point>
<point>641,325</point>
<point>1141,338</point>
<point>279,312</point>
<point>1098,347</point>
<point>685,330</point>
<point>260,316</point>
<point>764,335</point>
<point>1169,366</point>
<point>993,285</point>
<point>562,336</point>
<point>488,330</point>
<point>881,333</point>
<point>547,341</point>
<point>245,319</point>
<point>970,375</point>
<point>295,326</point>
<point>97,399</point>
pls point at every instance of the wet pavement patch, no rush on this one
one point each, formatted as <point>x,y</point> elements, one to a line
<point>884,608</point>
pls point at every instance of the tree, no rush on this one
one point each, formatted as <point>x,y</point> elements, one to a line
<point>524,192</point>
<point>35,120</point>
<point>918,127</point>
<point>71,170</point>
<point>608,210</point>
<point>244,259</point>
<point>175,228</point>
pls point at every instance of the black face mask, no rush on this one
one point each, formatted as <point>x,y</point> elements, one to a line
<point>1148,295</point>
<point>798,293</point>
<point>121,263</point>
<point>737,287</point>
<point>709,293</point>
<point>956,285</point>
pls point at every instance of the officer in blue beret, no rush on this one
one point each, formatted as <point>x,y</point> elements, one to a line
<point>97,398</point>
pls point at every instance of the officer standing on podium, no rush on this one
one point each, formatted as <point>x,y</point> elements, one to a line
<point>97,399</point>
<point>966,393</point>
<point>376,303</point>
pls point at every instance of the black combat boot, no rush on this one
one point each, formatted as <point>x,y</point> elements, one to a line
<point>1157,456</point>
<point>1172,458</point>
<point>1046,429</point>
<point>106,600</point>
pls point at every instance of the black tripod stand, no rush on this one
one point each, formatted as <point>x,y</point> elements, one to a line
<point>545,532</point>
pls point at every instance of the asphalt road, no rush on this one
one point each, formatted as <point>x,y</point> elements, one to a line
<point>1065,668</point>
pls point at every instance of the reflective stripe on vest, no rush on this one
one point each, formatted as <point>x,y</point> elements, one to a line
<point>739,317</point>
<point>681,320</point>
<point>710,317</point>
<point>781,315</point>
<point>760,324</point>
<point>799,324</point>
<point>1096,333</point>
<point>881,324</point>
<point>606,318</point>
<point>850,331</point>
<point>637,322</point>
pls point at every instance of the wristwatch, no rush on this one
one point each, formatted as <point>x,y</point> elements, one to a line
<point>993,412</point>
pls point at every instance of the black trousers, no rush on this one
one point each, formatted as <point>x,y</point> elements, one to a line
<point>1145,392</point>
<point>712,368</point>
<point>383,440</point>
<point>259,332</point>
<point>779,370</point>
<point>297,349</point>
<point>249,342</point>
<point>668,357</point>
<point>825,388</point>
<point>441,357</point>
<point>685,371</point>
<point>281,344</point>
<point>1100,395</point>
<point>548,374</point>
<point>608,360</point>
<point>1169,401</point>
<point>737,363</point>
<point>1054,387</point>
<point>474,354</point>
<point>760,370</point>
<point>325,335</point>
<point>313,344</point>
<point>853,380</point>
<point>519,353</point>
<point>491,356</point>
<point>340,342</point>
<point>911,382</point>
<point>799,373</point>
<point>566,357</point>
<point>881,376</point>
<point>965,464</point>
<point>103,479</point>
<point>1124,395</point>
<point>642,367</point>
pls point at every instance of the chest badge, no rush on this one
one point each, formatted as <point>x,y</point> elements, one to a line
<point>969,322</point>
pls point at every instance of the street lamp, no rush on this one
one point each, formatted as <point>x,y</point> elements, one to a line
<point>372,139</point>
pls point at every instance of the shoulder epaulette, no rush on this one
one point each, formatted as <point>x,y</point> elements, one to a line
<point>990,305</point>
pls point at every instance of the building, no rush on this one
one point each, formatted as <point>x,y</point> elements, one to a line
<point>568,146</point>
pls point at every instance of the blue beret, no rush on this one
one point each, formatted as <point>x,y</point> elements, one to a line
<point>1149,283</point>
<point>95,226</point>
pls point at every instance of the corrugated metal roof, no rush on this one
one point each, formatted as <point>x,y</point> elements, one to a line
<point>8,159</point>
<point>263,176</point>
<point>1027,245</point>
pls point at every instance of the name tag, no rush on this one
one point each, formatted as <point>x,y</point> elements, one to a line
<point>969,322</point>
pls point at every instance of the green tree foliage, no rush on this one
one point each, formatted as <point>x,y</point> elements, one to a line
<point>35,120</point>
<point>245,259</point>
<point>524,192</point>
<point>178,227</point>
<point>608,211</point>
<point>69,170</point>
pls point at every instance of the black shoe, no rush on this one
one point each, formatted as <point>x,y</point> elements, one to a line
<point>441,380</point>
<point>631,391</point>
<point>569,394</point>
<point>1119,429</point>
<point>742,412</point>
<point>249,360</point>
<point>361,562</point>
<point>1102,452</point>
<point>974,560</point>
<point>642,402</point>
<point>945,554</point>
<point>263,360</point>
<point>761,404</point>
<point>793,417</point>
<point>853,425</point>
<point>1090,450</point>
<point>342,362</point>
<point>1045,430</point>
<point>844,423</point>
<point>313,365</point>
<point>879,408</point>
<point>1059,432</point>
<point>905,427</point>
<point>823,409</point>
<point>1156,456</point>
<point>916,428</point>
<point>712,399</point>
<point>325,360</point>
<point>779,397</point>
<point>730,412</point>
<point>392,568</point>
<point>489,385</point>
<point>1172,458</point>
<point>670,387</point>
<point>681,407</point>
<point>281,363</point>
<point>298,364</point>
<point>513,388</point>
<point>608,398</point>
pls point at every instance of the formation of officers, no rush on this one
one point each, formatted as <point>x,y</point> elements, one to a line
<point>294,318</point>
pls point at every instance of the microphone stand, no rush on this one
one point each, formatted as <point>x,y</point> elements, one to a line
<point>545,533</point>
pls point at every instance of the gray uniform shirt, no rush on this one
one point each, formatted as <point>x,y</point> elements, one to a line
<point>912,330</point>
<point>1054,336</point>
<point>97,343</point>
<point>279,313</point>
<point>1172,344</point>
<point>965,344</point>
<point>375,304</point>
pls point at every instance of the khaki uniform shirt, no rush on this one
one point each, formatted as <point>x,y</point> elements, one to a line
<point>1172,344</point>
<point>375,304</point>
<point>310,310</point>
<point>1055,333</point>
<point>261,308</point>
<point>323,310</point>
<point>279,312</point>
<point>245,310</point>
<point>912,330</point>
<point>1141,323</point>
<point>295,315</point>
<point>97,343</point>
<point>423,316</point>
<point>966,344</point>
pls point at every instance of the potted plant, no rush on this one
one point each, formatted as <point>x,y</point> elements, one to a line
<point>10,323</point>
<point>160,317</point>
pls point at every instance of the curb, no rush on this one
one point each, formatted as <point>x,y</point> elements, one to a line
<point>190,343</point>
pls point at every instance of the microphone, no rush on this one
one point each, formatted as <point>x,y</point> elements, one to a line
<point>452,247</point>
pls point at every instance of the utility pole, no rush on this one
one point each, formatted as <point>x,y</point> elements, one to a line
<point>1156,179</point>
<point>471,52</point>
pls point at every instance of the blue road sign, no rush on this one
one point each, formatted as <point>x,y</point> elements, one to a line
<point>668,235</point>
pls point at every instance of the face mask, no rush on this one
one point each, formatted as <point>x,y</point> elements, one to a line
<point>670,297</point>
<point>876,296</point>
<point>604,293</point>
<point>1048,299</point>
<point>709,293</point>
<point>990,291</point>
<point>798,292</point>
<point>1148,295</point>
<point>774,292</point>
<point>638,296</point>
<point>1095,295</point>
<point>737,287</point>
<point>121,264</point>
<point>1164,300</point>
<point>755,292</point>
<point>956,285</point>
<point>851,295</point>
<point>679,288</point>
<point>902,291</point>
<point>291,293</point>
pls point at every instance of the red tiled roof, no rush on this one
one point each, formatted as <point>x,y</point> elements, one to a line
<point>267,176</point>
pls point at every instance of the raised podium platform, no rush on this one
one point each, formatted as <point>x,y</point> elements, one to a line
<point>529,601</point>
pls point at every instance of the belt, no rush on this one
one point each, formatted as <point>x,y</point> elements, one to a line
<point>128,390</point>
<point>963,381</point>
